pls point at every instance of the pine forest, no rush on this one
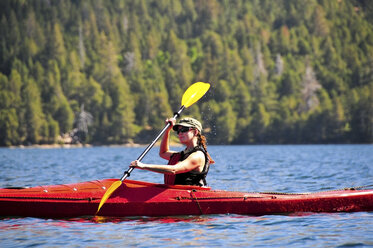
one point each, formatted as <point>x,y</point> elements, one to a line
<point>111,71</point>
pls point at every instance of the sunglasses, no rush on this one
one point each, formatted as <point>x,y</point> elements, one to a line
<point>183,130</point>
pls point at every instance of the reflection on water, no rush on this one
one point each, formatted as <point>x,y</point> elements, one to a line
<point>241,168</point>
<point>141,219</point>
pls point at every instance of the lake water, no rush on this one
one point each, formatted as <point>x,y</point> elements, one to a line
<point>307,168</point>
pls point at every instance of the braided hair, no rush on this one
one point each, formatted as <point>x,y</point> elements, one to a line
<point>202,142</point>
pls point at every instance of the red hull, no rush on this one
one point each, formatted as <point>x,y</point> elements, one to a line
<point>136,198</point>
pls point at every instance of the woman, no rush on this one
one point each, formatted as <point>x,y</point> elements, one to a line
<point>188,167</point>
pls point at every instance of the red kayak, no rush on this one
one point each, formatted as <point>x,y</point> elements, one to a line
<point>135,198</point>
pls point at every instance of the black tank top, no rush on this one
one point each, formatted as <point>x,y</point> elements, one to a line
<point>192,177</point>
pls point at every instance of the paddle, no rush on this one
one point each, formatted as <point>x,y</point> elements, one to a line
<point>191,95</point>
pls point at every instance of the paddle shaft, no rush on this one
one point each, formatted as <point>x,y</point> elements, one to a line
<point>128,173</point>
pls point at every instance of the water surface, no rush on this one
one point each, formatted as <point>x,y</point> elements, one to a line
<point>307,168</point>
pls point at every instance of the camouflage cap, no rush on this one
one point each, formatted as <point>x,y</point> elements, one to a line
<point>189,122</point>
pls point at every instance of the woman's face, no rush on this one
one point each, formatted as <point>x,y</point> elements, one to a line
<point>185,134</point>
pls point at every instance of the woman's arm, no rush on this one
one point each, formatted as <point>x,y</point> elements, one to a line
<point>164,150</point>
<point>195,161</point>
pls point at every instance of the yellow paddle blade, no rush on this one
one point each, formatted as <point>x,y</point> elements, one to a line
<point>194,93</point>
<point>108,193</point>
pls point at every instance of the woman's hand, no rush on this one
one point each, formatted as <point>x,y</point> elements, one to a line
<point>172,121</point>
<point>137,164</point>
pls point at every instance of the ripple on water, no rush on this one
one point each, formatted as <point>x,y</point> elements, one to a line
<point>241,168</point>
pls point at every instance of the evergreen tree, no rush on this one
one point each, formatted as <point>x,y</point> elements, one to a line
<point>8,115</point>
<point>34,117</point>
<point>281,72</point>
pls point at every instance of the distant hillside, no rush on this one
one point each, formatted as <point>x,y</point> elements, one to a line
<point>111,71</point>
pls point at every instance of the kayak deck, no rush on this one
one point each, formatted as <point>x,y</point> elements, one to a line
<point>135,198</point>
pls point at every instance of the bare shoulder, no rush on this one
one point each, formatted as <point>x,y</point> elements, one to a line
<point>198,157</point>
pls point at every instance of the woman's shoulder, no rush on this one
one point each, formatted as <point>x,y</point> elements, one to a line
<point>197,154</point>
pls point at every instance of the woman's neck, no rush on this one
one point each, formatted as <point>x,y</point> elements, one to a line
<point>190,145</point>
